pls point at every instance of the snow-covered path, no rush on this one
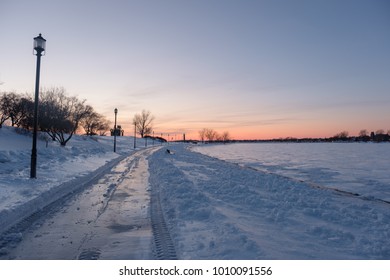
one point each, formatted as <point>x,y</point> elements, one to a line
<point>110,220</point>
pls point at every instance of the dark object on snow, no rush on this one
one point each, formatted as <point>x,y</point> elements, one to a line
<point>170,152</point>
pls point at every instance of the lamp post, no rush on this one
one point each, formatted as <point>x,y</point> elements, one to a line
<point>135,133</point>
<point>39,47</point>
<point>116,112</point>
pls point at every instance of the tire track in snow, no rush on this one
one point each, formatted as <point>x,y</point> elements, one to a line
<point>164,247</point>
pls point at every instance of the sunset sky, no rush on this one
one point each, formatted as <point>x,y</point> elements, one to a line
<point>258,69</point>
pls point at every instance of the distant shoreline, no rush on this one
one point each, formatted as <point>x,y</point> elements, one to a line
<point>296,140</point>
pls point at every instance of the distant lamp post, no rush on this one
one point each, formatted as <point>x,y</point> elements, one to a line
<point>115,132</point>
<point>39,47</point>
<point>135,133</point>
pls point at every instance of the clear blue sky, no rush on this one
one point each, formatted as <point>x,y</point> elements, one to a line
<point>259,69</point>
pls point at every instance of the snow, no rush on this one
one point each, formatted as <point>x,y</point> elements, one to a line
<point>108,220</point>
<point>236,208</point>
<point>360,168</point>
<point>220,210</point>
<point>56,166</point>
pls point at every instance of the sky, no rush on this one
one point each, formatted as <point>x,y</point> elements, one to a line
<point>257,69</point>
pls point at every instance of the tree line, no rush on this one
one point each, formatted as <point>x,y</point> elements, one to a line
<point>211,135</point>
<point>364,136</point>
<point>61,115</point>
<point>343,136</point>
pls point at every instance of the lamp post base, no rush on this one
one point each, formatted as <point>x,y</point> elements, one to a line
<point>33,171</point>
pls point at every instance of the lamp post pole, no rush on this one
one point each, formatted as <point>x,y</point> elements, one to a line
<point>135,133</point>
<point>39,47</point>
<point>116,112</point>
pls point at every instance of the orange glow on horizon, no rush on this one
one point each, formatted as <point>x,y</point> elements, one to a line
<point>244,133</point>
<point>306,128</point>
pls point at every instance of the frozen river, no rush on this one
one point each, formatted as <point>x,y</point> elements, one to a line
<point>361,168</point>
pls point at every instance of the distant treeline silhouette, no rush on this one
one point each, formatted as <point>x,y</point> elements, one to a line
<point>364,136</point>
<point>378,136</point>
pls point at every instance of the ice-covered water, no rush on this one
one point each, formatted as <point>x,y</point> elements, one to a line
<point>362,168</point>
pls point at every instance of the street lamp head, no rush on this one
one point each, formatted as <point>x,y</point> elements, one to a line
<point>39,44</point>
<point>116,111</point>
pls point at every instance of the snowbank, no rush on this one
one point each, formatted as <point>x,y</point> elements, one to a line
<point>359,168</point>
<point>220,210</point>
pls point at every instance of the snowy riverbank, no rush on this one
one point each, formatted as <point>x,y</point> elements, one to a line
<point>219,210</point>
<point>359,168</point>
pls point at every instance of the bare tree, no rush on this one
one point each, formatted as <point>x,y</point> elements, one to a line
<point>103,127</point>
<point>60,115</point>
<point>225,136</point>
<point>202,134</point>
<point>13,109</point>
<point>6,105</point>
<point>23,112</point>
<point>380,131</point>
<point>94,123</point>
<point>363,133</point>
<point>211,134</point>
<point>342,135</point>
<point>143,123</point>
<point>16,108</point>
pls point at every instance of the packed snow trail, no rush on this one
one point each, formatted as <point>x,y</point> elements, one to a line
<point>109,220</point>
<point>219,210</point>
<point>23,214</point>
